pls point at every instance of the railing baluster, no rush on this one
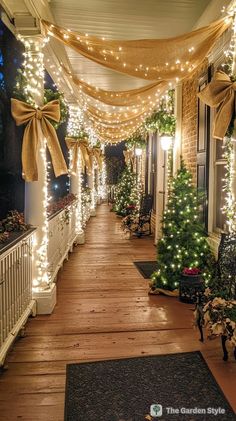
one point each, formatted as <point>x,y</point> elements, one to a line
<point>15,291</point>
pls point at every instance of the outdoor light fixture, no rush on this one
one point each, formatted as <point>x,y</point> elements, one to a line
<point>166,142</point>
<point>138,151</point>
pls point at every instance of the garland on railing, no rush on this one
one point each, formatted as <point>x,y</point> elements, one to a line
<point>60,204</point>
<point>14,222</point>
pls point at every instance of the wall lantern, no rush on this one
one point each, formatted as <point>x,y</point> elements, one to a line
<point>166,142</point>
<point>138,151</point>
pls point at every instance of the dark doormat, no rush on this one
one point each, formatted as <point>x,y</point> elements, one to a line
<point>131,389</point>
<point>146,268</point>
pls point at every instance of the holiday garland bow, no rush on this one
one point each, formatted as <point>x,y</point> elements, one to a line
<point>220,92</point>
<point>129,157</point>
<point>97,154</point>
<point>75,144</point>
<point>24,113</point>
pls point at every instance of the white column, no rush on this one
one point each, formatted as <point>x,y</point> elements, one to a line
<point>160,189</point>
<point>178,134</point>
<point>76,189</point>
<point>36,192</point>
<point>92,187</point>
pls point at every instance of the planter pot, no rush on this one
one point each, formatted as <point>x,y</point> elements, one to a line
<point>189,287</point>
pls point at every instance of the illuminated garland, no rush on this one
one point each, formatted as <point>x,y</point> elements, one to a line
<point>229,209</point>
<point>136,140</point>
<point>23,92</point>
<point>163,120</point>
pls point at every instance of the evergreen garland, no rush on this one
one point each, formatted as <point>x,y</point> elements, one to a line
<point>184,242</point>
<point>137,140</point>
<point>163,120</point>
<point>20,92</point>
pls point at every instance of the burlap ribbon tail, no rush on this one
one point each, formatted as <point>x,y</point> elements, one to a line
<point>97,154</point>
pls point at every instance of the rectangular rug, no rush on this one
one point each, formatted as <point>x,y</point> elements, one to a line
<point>146,268</point>
<point>178,386</point>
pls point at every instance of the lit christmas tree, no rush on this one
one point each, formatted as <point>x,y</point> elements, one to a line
<point>184,241</point>
<point>128,193</point>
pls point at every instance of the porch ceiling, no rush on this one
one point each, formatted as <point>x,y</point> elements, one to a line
<point>123,19</point>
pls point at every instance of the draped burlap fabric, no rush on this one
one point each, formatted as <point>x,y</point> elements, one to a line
<point>129,157</point>
<point>24,113</point>
<point>76,144</point>
<point>220,94</point>
<point>149,59</point>
<point>138,98</point>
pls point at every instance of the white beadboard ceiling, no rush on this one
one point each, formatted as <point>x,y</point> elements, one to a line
<point>114,19</point>
<point>123,19</point>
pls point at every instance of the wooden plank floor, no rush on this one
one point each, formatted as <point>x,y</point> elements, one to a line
<point>103,312</point>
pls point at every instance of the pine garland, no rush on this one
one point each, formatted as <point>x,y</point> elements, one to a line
<point>20,92</point>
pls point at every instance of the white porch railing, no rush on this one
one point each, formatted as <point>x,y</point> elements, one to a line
<point>62,235</point>
<point>16,302</point>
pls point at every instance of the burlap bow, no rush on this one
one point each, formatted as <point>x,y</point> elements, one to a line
<point>97,154</point>
<point>24,113</point>
<point>129,157</point>
<point>75,144</point>
<point>220,92</point>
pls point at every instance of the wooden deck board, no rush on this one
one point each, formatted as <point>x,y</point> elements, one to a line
<point>103,311</point>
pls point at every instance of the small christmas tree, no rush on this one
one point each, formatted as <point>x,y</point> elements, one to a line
<point>184,241</point>
<point>127,195</point>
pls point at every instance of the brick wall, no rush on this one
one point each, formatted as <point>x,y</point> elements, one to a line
<point>189,120</point>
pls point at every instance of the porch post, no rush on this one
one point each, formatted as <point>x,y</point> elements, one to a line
<point>91,185</point>
<point>76,189</point>
<point>36,193</point>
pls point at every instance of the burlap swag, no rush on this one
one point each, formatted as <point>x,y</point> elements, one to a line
<point>76,144</point>
<point>145,58</point>
<point>220,93</point>
<point>24,113</point>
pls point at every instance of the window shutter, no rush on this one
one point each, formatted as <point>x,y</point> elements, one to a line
<point>203,136</point>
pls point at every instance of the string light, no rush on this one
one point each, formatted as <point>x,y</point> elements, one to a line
<point>43,277</point>
<point>75,129</point>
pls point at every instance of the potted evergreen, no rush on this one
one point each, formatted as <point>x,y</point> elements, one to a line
<point>184,241</point>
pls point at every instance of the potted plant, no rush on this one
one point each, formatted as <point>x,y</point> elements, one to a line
<point>218,316</point>
<point>191,283</point>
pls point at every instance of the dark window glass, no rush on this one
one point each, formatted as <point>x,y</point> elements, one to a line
<point>11,182</point>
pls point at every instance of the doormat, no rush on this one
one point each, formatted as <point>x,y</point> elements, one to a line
<point>146,268</point>
<point>178,386</point>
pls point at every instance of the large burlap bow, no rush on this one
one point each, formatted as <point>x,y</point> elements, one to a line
<point>129,157</point>
<point>24,113</point>
<point>220,92</point>
<point>75,144</point>
<point>97,154</point>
